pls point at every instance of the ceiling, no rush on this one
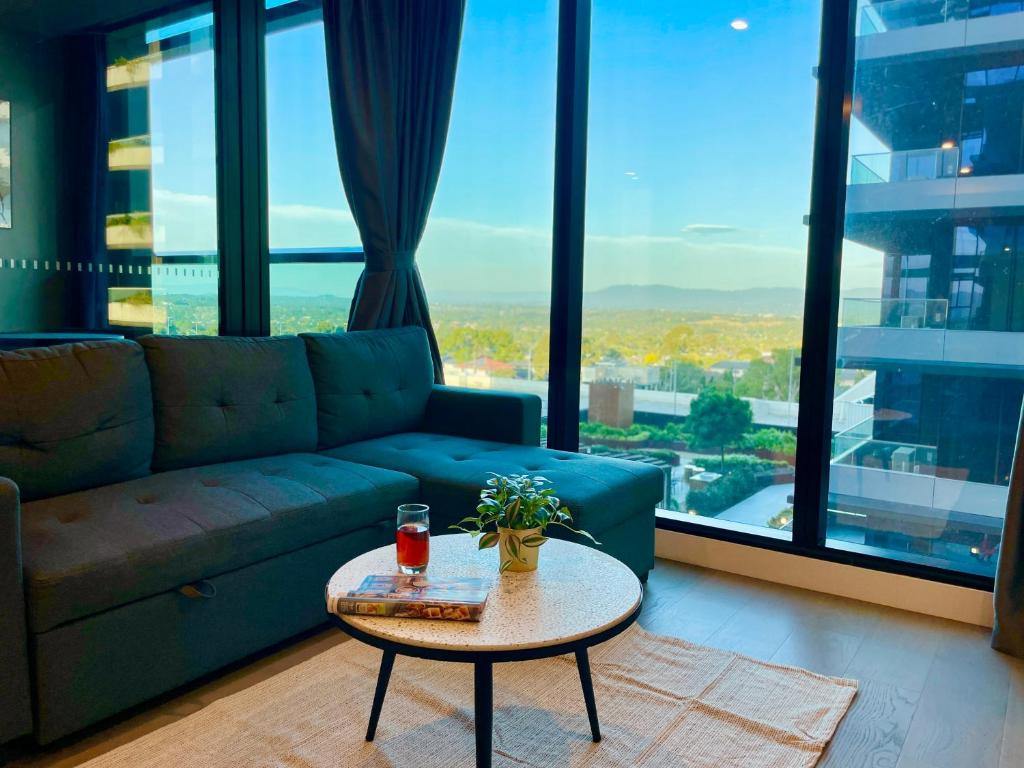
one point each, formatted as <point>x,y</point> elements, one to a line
<point>51,18</point>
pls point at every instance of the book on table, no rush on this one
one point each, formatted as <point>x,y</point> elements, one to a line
<point>416,596</point>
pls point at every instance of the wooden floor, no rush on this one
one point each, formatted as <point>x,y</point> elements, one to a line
<point>933,694</point>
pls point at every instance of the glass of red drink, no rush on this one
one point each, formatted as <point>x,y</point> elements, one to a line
<point>412,538</point>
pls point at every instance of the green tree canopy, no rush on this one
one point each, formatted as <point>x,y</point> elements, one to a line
<point>775,379</point>
<point>718,419</point>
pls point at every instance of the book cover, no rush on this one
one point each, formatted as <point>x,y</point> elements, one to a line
<point>416,597</point>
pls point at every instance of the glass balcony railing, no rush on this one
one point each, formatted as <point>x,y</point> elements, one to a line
<point>857,447</point>
<point>886,455</point>
<point>889,15</point>
<point>906,165</point>
<point>894,313</point>
<point>877,16</point>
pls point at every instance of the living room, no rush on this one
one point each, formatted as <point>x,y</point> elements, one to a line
<point>474,382</point>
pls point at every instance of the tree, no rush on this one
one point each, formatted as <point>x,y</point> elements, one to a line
<point>685,375</point>
<point>718,419</point>
<point>775,379</point>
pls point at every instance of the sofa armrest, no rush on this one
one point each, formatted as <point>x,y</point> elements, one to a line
<point>15,698</point>
<point>504,417</point>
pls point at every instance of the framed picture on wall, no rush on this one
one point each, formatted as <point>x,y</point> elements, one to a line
<point>5,164</point>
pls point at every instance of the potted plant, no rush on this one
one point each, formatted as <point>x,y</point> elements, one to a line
<point>513,514</point>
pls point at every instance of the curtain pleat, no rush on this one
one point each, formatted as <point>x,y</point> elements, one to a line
<point>86,114</point>
<point>391,66</point>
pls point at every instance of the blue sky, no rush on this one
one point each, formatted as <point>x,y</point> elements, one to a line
<point>699,154</point>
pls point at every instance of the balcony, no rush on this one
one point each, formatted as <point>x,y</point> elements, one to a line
<point>914,331</point>
<point>907,165</point>
<point>125,74</point>
<point>894,313</point>
<point>926,180</point>
<point>876,18</point>
<point>929,28</point>
<point>918,504</point>
<point>903,482</point>
<point>130,154</point>
<point>857,447</point>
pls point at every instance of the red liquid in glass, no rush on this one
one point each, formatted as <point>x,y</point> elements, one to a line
<point>413,543</point>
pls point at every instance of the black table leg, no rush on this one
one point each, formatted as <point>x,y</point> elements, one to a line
<point>583,665</point>
<point>483,697</point>
<point>386,663</point>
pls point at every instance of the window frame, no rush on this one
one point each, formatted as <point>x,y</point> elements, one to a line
<point>826,225</point>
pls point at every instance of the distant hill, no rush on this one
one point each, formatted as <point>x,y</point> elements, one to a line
<point>754,301</point>
<point>749,301</point>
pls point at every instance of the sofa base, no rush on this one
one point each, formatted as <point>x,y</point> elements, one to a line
<point>631,541</point>
<point>94,668</point>
<point>165,641</point>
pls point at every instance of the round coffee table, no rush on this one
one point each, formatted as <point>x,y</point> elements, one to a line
<point>579,597</point>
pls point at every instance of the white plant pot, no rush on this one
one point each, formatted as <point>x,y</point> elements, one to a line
<point>510,544</point>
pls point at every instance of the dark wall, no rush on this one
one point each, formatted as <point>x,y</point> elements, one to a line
<point>34,297</point>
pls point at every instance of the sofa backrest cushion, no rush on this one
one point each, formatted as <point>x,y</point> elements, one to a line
<point>74,416</point>
<point>369,383</point>
<point>224,398</point>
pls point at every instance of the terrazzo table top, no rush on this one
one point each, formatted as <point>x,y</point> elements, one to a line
<point>576,592</point>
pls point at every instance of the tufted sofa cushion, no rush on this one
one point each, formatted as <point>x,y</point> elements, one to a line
<point>369,383</point>
<point>228,398</point>
<point>600,492</point>
<point>74,416</point>
<point>91,551</point>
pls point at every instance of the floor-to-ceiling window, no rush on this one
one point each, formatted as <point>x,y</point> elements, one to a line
<point>315,250</point>
<point>696,249</point>
<point>699,170</point>
<point>161,187</point>
<point>486,252</point>
<point>930,337</point>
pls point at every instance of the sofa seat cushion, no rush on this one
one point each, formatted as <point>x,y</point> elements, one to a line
<point>98,549</point>
<point>599,492</point>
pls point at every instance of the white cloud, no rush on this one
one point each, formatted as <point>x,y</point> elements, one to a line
<point>708,229</point>
<point>312,213</point>
<point>187,221</point>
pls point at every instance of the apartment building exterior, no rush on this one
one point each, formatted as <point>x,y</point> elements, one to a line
<point>940,85</point>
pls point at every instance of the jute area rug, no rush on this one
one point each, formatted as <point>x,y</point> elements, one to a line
<point>661,702</point>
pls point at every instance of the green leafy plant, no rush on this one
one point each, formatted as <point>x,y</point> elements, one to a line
<point>131,142</point>
<point>772,440</point>
<point>742,477</point>
<point>138,222</point>
<point>520,503</point>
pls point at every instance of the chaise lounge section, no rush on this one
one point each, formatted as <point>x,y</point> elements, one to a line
<point>172,506</point>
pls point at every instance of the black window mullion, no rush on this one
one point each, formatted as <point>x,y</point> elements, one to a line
<point>568,223</point>
<point>227,58</point>
<point>254,165</point>
<point>825,241</point>
<point>241,168</point>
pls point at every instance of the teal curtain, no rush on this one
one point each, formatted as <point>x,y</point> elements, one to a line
<point>391,67</point>
<point>85,194</point>
<point>1008,635</point>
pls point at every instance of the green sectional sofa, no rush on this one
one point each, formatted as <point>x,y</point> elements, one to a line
<point>171,506</point>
